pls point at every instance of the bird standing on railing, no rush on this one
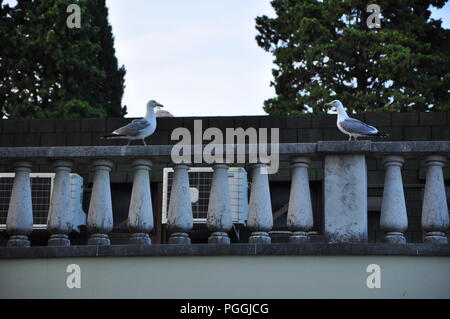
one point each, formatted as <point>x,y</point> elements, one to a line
<point>138,129</point>
<point>353,127</point>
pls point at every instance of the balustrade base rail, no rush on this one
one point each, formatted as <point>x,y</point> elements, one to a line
<point>306,249</point>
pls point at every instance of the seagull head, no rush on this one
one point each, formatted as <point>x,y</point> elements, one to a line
<point>336,105</point>
<point>153,103</point>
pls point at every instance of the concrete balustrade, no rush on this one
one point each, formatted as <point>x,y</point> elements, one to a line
<point>100,217</point>
<point>140,216</point>
<point>300,215</point>
<point>60,219</point>
<point>344,197</point>
<point>393,219</point>
<point>180,221</point>
<point>260,219</point>
<point>219,219</point>
<point>19,222</point>
<point>435,220</point>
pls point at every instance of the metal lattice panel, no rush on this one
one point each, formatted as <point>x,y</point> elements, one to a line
<point>201,181</point>
<point>40,193</point>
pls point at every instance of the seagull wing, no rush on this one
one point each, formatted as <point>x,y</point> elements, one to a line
<point>134,128</point>
<point>357,127</point>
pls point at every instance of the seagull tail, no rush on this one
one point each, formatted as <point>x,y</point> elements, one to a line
<point>109,136</point>
<point>382,134</point>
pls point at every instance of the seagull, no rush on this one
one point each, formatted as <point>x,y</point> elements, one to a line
<point>138,129</point>
<point>353,127</point>
<point>163,113</point>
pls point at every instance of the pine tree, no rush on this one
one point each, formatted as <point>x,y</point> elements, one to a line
<point>324,50</point>
<point>50,70</point>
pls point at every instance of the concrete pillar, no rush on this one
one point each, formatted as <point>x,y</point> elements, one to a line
<point>219,220</point>
<point>60,219</point>
<point>300,215</point>
<point>393,219</point>
<point>345,195</point>
<point>140,215</point>
<point>19,222</point>
<point>435,219</point>
<point>100,218</point>
<point>179,216</point>
<point>260,219</point>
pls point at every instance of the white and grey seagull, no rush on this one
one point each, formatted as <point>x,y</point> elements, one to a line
<point>138,129</point>
<point>353,127</point>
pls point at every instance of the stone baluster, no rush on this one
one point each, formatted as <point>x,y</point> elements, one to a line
<point>393,219</point>
<point>260,219</point>
<point>435,218</point>
<point>300,216</point>
<point>60,219</point>
<point>140,216</point>
<point>100,218</point>
<point>219,220</point>
<point>19,222</point>
<point>180,220</point>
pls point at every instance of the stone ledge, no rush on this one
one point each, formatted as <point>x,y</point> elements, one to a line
<point>311,249</point>
<point>289,149</point>
<point>383,147</point>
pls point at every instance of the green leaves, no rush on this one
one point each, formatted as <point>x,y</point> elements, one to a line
<point>324,50</point>
<point>50,70</point>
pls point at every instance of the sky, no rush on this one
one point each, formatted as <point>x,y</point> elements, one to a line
<point>196,57</point>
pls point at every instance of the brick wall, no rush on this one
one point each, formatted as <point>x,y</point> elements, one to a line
<point>301,128</point>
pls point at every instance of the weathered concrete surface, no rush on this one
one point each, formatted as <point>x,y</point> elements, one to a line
<point>100,217</point>
<point>19,222</point>
<point>393,218</point>
<point>260,219</point>
<point>382,147</point>
<point>140,214</point>
<point>162,152</point>
<point>60,219</point>
<point>435,220</point>
<point>300,215</point>
<point>303,249</point>
<point>345,193</point>
<point>180,220</point>
<point>219,220</point>
<point>184,277</point>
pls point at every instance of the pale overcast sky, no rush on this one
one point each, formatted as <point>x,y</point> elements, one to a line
<point>197,57</point>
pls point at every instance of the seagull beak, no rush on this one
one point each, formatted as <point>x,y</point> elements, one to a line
<point>327,104</point>
<point>159,104</point>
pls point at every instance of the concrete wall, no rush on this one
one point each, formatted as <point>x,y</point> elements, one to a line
<point>227,277</point>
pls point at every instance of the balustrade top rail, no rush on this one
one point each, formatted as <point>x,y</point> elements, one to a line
<point>163,152</point>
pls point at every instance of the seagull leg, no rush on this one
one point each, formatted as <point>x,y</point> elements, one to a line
<point>129,142</point>
<point>143,140</point>
<point>349,138</point>
<point>356,138</point>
